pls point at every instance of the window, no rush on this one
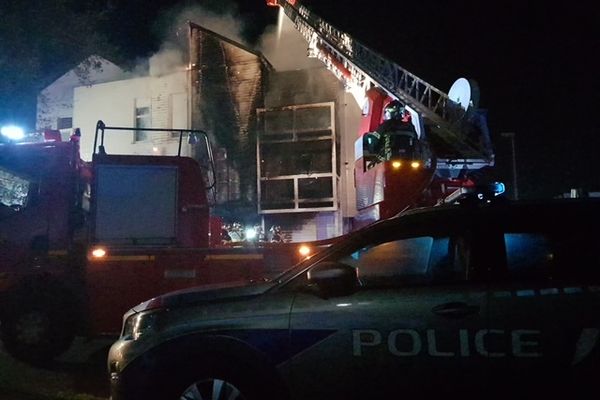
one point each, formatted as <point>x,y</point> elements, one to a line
<point>527,252</point>
<point>407,261</point>
<point>14,190</point>
<point>142,120</point>
<point>64,123</point>
<point>298,157</point>
<point>552,256</point>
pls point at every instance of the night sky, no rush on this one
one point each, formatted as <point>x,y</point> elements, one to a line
<point>534,62</point>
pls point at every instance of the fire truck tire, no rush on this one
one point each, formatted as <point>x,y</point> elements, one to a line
<point>37,331</point>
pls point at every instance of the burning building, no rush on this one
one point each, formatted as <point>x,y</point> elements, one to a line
<point>282,139</point>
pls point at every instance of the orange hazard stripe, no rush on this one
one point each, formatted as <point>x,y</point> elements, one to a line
<point>234,257</point>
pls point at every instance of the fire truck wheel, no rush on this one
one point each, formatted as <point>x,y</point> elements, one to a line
<point>37,332</point>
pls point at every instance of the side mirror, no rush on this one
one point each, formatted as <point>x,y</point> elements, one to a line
<point>334,279</point>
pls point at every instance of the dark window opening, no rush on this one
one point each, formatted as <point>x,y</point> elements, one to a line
<point>64,123</point>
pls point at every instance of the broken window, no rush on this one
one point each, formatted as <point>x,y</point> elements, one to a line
<point>14,190</point>
<point>297,158</point>
<point>142,119</point>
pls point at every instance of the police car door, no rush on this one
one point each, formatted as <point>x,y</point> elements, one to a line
<point>545,308</point>
<point>416,322</point>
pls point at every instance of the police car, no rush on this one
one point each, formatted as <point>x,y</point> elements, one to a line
<point>491,297</point>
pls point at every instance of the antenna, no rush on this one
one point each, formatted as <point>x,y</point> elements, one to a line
<point>460,93</point>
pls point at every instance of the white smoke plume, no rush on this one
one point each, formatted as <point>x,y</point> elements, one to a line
<point>281,44</point>
<point>228,25</point>
<point>285,47</point>
<point>172,55</point>
<point>170,58</point>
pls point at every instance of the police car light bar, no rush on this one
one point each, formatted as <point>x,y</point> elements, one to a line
<point>480,192</point>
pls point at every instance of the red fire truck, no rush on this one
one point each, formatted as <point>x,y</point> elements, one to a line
<point>80,243</point>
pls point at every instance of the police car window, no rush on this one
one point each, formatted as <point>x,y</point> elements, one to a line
<point>526,251</point>
<point>541,256</point>
<point>14,190</point>
<point>404,262</point>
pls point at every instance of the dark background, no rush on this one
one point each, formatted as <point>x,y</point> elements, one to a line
<point>535,62</point>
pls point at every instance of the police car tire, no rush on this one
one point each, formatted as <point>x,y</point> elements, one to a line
<point>252,383</point>
<point>53,333</point>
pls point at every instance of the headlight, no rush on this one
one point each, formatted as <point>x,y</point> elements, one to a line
<point>140,324</point>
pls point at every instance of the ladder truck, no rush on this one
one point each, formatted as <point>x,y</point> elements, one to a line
<point>455,148</point>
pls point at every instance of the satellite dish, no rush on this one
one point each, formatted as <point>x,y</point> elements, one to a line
<point>460,93</point>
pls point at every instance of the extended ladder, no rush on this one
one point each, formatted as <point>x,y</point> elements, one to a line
<point>363,67</point>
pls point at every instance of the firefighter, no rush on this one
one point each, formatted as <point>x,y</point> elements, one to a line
<point>276,236</point>
<point>396,136</point>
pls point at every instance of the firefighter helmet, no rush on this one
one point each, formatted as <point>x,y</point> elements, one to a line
<point>393,110</point>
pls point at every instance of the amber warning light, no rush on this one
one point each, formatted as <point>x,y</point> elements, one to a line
<point>304,250</point>
<point>98,252</point>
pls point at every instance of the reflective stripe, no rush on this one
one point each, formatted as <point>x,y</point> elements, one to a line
<point>549,291</point>
<point>572,290</point>
<point>545,291</point>
<point>526,293</point>
<point>123,258</point>
<point>234,257</point>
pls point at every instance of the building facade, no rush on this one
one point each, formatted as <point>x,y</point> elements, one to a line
<point>55,102</point>
<point>283,141</point>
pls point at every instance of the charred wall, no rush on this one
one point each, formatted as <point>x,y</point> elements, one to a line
<point>227,82</point>
<point>299,153</point>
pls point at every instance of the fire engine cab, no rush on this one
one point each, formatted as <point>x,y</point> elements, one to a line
<point>80,243</point>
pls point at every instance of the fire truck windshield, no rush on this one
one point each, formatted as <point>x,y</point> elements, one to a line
<point>14,190</point>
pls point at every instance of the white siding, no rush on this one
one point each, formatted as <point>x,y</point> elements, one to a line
<point>349,116</point>
<point>56,100</point>
<point>115,102</point>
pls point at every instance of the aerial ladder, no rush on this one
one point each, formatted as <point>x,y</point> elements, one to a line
<point>447,122</point>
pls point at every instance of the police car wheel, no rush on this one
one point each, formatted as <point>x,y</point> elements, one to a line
<point>219,381</point>
<point>212,388</point>
<point>218,377</point>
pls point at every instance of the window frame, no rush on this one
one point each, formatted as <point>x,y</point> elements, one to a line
<point>142,104</point>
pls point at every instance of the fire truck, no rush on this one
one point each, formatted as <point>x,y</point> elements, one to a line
<point>453,149</point>
<point>80,243</point>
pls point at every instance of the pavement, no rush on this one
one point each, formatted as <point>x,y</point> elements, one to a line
<point>80,374</point>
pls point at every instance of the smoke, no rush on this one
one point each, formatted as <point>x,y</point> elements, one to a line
<point>229,25</point>
<point>281,44</point>
<point>173,53</point>
<point>170,58</point>
<point>285,47</point>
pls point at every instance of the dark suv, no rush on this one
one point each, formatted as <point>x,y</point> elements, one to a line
<point>492,297</point>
